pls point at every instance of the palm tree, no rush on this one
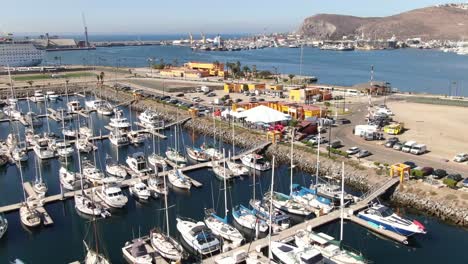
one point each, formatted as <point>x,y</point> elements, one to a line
<point>101,75</point>
<point>254,71</point>
<point>30,83</point>
<point>245,70</point>
<point>291,77</point>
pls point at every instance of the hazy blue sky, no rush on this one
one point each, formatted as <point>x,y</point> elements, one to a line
<point>172,16</point>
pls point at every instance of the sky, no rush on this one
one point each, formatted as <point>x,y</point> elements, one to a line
<point>182,16</point>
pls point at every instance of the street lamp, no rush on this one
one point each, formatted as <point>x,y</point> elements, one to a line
<point>150,64</point>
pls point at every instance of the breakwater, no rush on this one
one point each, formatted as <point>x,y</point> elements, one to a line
<point>449,208</point>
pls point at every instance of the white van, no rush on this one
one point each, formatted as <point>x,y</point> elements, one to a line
<point>408,145</point>
<point>385,111</point>
<point>418,149</point>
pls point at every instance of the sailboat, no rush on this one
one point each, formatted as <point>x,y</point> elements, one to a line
<point>221,172</point>
<point>3,225</point>
<point>178,179</point>
<point>219,225</point>
<point>173,154</point>
<point>12,100</point>
<point>29,215</point>
<point>236,168</point>
<point>39,185</point>
<point>197,154</point>
<point>93,256</point>
<point>163,243</point>
<point>19,151</point>
<point>155,159</point>
<point>113,168</point>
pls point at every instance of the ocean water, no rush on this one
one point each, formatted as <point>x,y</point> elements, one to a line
<point>409,70</point>
<point>62,242</point>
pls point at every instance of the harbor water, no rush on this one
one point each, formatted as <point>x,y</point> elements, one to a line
<point>409,70</point>
<point>63,241</point>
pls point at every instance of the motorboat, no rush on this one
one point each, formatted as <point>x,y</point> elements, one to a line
<point>290,254</point>
<point>155,184</point>
<point>32,119</point>
<point>42,149</point>
<point>87,206</point>
<point>175,156</point>
<point>38,96</point>
<point>140,190</point>
<point>383,217</point>
<point>83,145</point>
<point>93,104</point>
<point>309,198</point>
<point>222,172</point>
<point>236,168</point>
<point>330,248</point>
<point>137,163</point>
<point>178,179</point>
<point>112,195</point>
<point>52,96</point>
<point>115,169</point>
<point>221,228</point>
<point>157,161</point>
<point>135,137</point>
<point>69,180</point>
<point>93,257</point>
<point>286,203</point>
<point>92,173</point>
<point>74,106</point>
<point>150,119</point>
<point>246,218</point>
<point>279,219</point>
<point>29,216</point>
<point>3,225</point>
<point>198,236</point>
<point>166,246</point>
<point>105,109</point>
<point>70,133</point>
<point>118,138</point>
<point>255,161</point>
<point>119,121</point>
<point>135,252</point>
<point>197,154</point>
<point>64,149</point>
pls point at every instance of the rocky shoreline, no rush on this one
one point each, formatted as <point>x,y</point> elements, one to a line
<point>359,178</point>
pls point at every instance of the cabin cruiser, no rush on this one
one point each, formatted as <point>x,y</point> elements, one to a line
<point>198,236</point>
<point>135,137</point>
<point>136,252</point>
<point>246,218</point>
<point>166,246</point>
<point>94,104</point>
<point>236,168</point>
<point>69,180</point>
<point>51,95</point>
<point>157,186</point>
<point>156,161</point>
<point>74,106</point>
<point>286,203</point>
<point>328,247</point>
<point>42,150</point>
<point>3,225</point>
<point>255,161</point>
<point>29,216</point>
<point>112,195</point>
<point>38,96</point>
<point>197,154</point>
<point>118,138</point>
<point>150,119</point>
<point>92,173</point>
<point>175,156</point>
<point>137,163</point>
<point>308,197</point>
<point>105,109</point>
<point>178,179</point>
<point>221,228</point>
<point>32,119</point>
<point>280,220</point>
<point>383,217</point>
<point>140,190</point>
<point>291,254</point>
<point>119,121</point>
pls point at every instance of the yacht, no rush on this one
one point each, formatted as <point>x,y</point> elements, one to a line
<point>74,106</point>
<point>166,246</point>
<point>140,190</point>
<point>69,180</point>
<point>175,156</point>
<point>246,218</point>
<point>119,121</point>
<point>29,216</point>
<point>51,95</point>
<point>94,104</point>
<point>135,252</point>
<point>105,109</point>
<point>135,137</point>
<point>255,161</point>
<point>150,119</point>
<point>178,179</point>
<point>92,173</point>
<point>197,154</point>
<point>3,225</point>
<point>328,246</point>
<point>38,96</point>
<point>118,138</point>
<point>198,236</point>
<point>42,150</point>
<point>112,195</point>
<point>137,163</point>
<point>19,53</point>
<point>383,217</point>
<point>290,254</point>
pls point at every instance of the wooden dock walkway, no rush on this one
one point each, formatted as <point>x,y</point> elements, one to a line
<point>32,195</point>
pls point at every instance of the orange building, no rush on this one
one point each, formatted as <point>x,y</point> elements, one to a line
<point>213,69</point>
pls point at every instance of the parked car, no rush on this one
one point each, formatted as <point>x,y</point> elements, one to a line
<point>408,145</point>
<point>418,149</point>
<point>238,100</point>
<point>398,146</point>
<point>439,173</point>
<point>261,100</point>
<point>314,140</point>
<point>411,164</point>
<point>343,121</point>
<point>427,171</point>
<point>211,94</point>
<point>363,153</point>
<point>391,143</point>
<point>456,177</point>
<point>465,183</point>
<point>253,100</point>
<point>353,150</point>
<point>335,144</point>
<point>462,157</point>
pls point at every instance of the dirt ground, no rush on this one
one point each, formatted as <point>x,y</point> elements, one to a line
<point>442,128</point>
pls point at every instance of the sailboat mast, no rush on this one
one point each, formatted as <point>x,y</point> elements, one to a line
<point>318,147</point>
<point>233,141</point>
<point>165,202</point>
<point>271,206</point>
<point>79,164</point>
<point>47,117</point>
<point>22,181</point>
<point>292,160</point>
<point>11,82</point>
<point>225,191</point>
<point>342,202</point>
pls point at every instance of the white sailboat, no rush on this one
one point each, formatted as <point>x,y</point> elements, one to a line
<point>39,185</point>
<point>221,172</point>
<point>155,185</point>
<point>162,242</point>
<point>29,216</point>
<point>178,179</point>
<point>155,159</point>
<point>113,168</point>
<point>135,252</point>
<point>93,255</point>
<point>173,154</point>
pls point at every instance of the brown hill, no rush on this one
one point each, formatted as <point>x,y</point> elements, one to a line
<point>445,23</point>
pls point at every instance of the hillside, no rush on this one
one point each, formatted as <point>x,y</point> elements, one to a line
<point>436,22</point>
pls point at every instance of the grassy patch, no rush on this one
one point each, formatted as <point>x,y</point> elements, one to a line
<point>56,76</point>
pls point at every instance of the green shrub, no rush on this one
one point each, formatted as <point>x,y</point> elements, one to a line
<point>376,163</point>
<point>327,104</point>
<point>450,183</point>
<point>386,164</point>
<point>417,173</point>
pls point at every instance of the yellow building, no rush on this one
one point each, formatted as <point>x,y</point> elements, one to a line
<point>274,87</point>
<point>214,69</point>
<point>303,95</point>
<point>235,87</point>
<point>256,86</point>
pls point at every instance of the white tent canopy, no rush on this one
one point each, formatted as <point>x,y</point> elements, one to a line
<point>263,114</point>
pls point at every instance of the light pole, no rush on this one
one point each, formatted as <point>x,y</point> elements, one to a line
<point>150,64</point>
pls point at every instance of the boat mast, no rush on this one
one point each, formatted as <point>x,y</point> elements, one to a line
<point>11,82</point>
<point>22,181</point>
<point>342,202</point>
<point>165,202</point>
<point>271,207</point>
<point>233,141</point>
<point>225,190</point>
<point>47,117</point>
<point>292,161</point>
<point>79,164</point>
<point>318,147</point>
